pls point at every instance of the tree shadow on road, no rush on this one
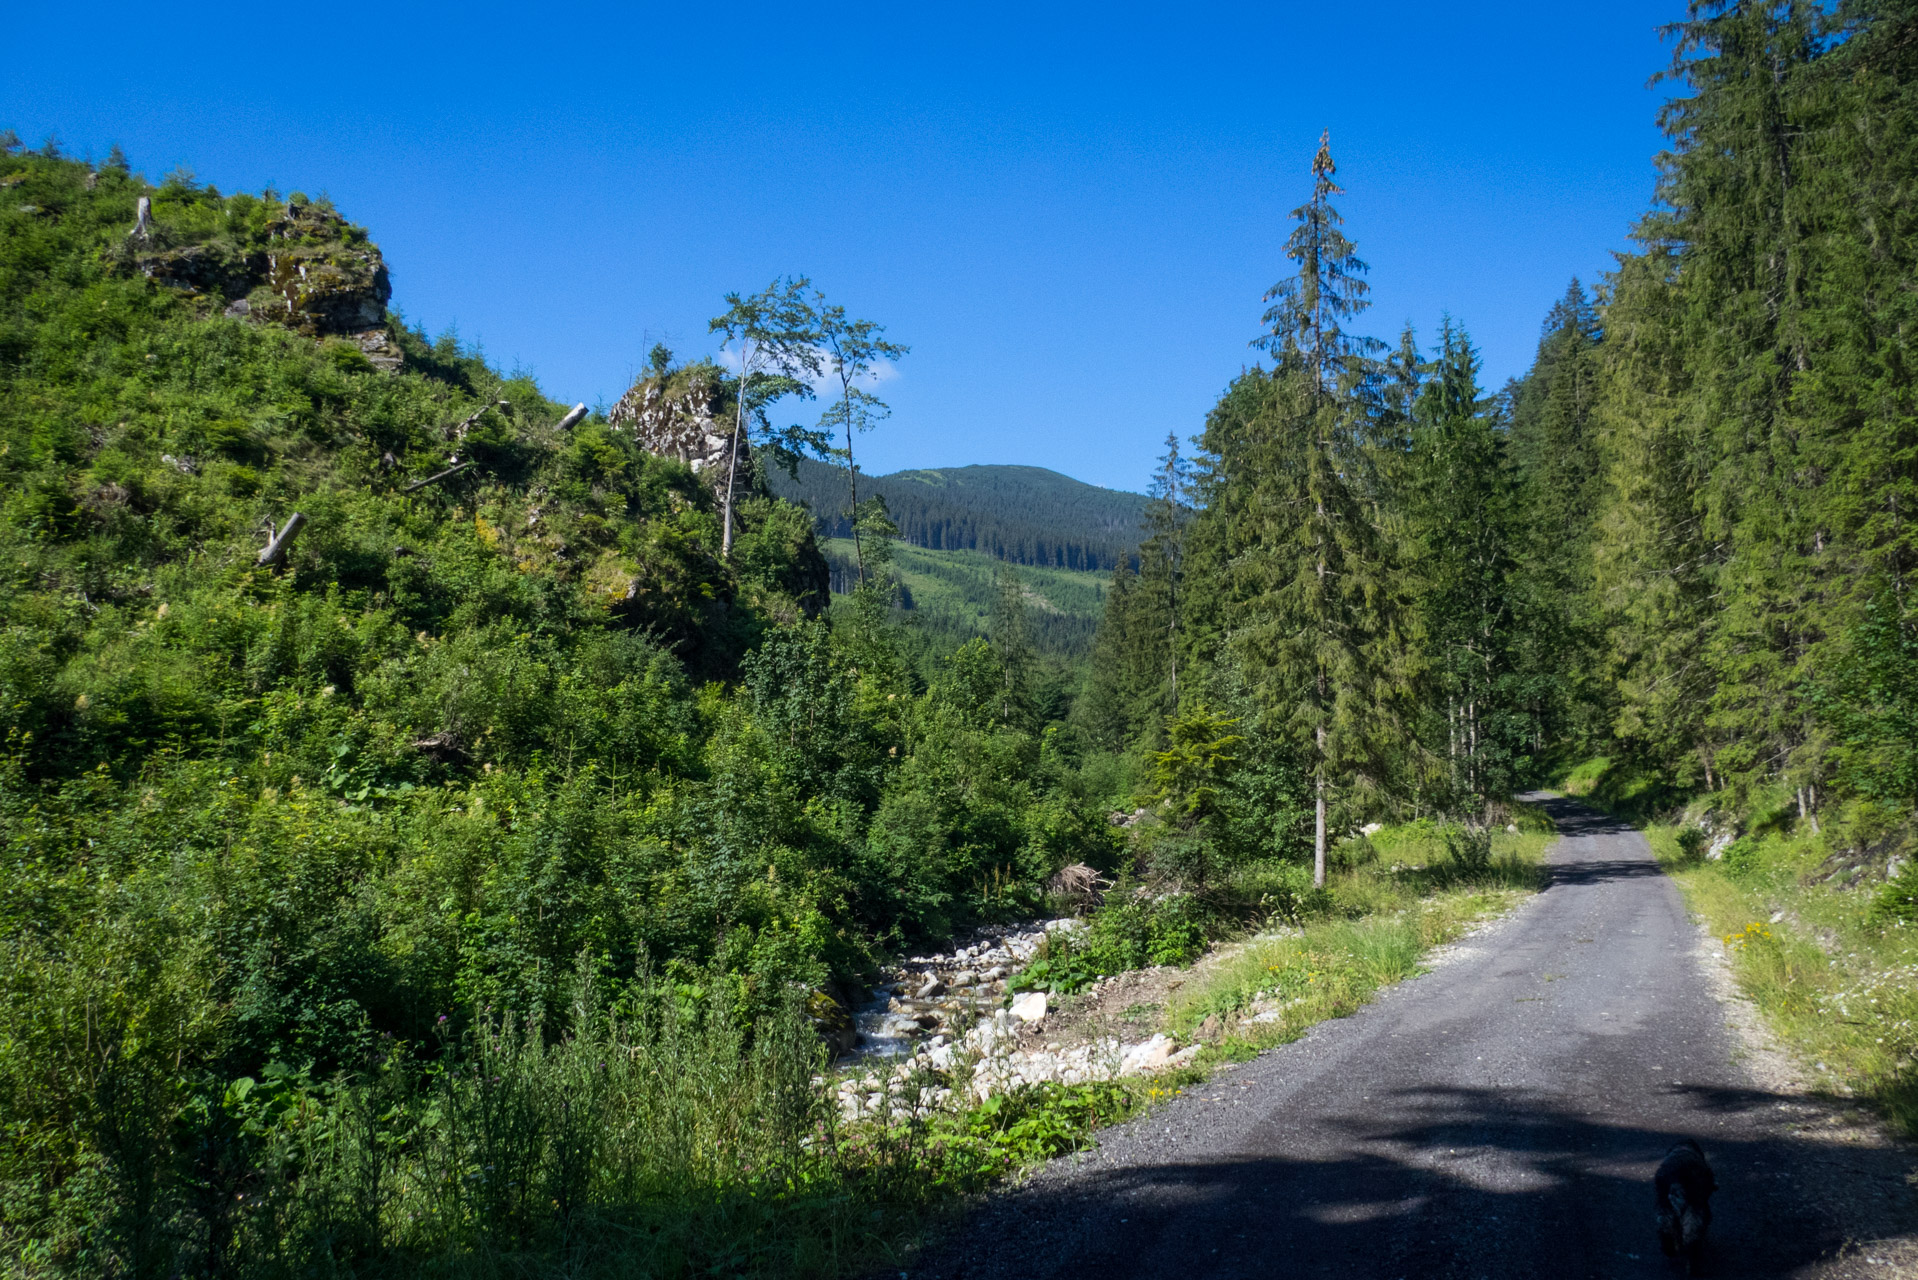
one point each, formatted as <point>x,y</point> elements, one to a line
<point>1451,1182</point>
<point>1599,871</point>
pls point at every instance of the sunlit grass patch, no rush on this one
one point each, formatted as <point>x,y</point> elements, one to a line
<point>1617,786</point>
<point>1837,983</point>
<point>1378,917</point>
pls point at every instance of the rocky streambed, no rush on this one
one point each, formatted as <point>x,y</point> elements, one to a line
<point>938,997</point>
<point>939,1032</point>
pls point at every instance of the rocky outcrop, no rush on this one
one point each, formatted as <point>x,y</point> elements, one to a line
<point>307,269</point>
<point>683,413</point>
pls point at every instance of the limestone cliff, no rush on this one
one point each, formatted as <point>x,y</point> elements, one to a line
<point>685,413</point>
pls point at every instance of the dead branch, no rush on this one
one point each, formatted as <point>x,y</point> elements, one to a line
<point>435,479</point>
<point>459,429</point>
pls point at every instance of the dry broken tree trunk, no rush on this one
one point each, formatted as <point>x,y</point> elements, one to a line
<point>276,549</point>
<point>437,477</point>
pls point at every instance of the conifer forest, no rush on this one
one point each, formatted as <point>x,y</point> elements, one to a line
<point>448,834</point>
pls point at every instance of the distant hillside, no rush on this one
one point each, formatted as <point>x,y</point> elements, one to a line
<point>1027,515</point>
<point>949,595</point>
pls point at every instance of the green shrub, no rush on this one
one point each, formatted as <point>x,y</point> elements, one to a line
<point>1039,1122</point>
<point>1469,847</point>
<point>1742,856</point>
<point>1691,842</point>
<point>1897,900</point>
<point>1130,932</point>
<point>1285,891</point>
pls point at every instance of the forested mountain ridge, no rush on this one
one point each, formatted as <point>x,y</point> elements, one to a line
<point>1024,515</point>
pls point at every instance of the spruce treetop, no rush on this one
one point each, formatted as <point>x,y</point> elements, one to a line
<point>1307,311</point>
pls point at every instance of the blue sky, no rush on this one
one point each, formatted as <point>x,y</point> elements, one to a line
<point>1069,213</point>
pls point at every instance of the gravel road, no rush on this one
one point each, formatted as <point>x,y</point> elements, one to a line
<point>1498,1117</point>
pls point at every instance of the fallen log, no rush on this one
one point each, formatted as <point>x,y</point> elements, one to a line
<point>573,417</point>
<point>276,549</point>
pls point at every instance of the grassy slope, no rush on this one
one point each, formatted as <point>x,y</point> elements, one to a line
<point>953,591</point>
<point>1839,989</point>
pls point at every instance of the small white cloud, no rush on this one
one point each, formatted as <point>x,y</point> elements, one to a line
<point>826,382</point>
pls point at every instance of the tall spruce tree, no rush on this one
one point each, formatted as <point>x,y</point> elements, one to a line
<point>1464,525</point>
<point>1711,553</point>
<point>1011,637</point>
<point>1652,554</point>
<point>1555,447</point>
<point>1162,568</point>
<point>1105,710</point>
<point>1300,555</point>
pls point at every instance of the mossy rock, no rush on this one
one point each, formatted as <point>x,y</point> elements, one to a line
<point>307,268</point>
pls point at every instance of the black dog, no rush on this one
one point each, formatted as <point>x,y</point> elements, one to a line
<point>1683,1188</point>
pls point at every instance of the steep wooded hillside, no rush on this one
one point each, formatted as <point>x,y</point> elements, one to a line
<point>365,716</point>
<point>949,596</point>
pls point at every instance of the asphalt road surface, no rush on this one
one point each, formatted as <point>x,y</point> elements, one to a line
<point>1499,1117</point>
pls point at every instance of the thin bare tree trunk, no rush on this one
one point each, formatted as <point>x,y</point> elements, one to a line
<point>437,477</point>
<point>1172,617</point>
<point>1172,646</point>
<point>732,462</point>
<point>1318,830</point>
<point>852,483</point>
<point>1318,824</point>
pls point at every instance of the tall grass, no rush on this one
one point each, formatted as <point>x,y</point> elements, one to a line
<point>659,1137</point>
